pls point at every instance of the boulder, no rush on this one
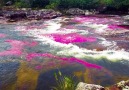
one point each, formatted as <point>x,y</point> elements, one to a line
<point>15,15</point>
<point>43,14</point>
<point>126,17</point>
<point>87,12</point>
<point>124,85</point>
<point>75,11</point>
<point>85,86</point>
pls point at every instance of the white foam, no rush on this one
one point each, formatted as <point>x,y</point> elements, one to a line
<point>74,50</point>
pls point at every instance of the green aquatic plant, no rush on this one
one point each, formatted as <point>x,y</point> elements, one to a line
<point>64,82</point>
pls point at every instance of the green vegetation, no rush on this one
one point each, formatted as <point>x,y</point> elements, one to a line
<point>64,82</point>
<point>53,4</point>
<point>21,4</point>
<point>64,4</point>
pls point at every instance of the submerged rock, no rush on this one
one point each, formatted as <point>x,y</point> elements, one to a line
<point>85,86</point>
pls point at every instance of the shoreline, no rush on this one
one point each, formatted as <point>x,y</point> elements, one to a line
<point>14,16</point>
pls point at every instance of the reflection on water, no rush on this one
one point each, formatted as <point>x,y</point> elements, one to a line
<point>77,46</point>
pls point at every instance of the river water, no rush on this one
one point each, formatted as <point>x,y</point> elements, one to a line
<point>93,49</point>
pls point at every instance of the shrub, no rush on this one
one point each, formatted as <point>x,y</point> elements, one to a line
<point>21,4</point>
<point>52,6</point>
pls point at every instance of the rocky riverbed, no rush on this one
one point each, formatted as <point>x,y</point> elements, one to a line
<point>93,48</point>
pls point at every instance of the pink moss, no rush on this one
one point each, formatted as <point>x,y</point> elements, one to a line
<point>16,48</point>
<point>70,27</point>
<point>71,38</point>
<point>38,67</point>
<point>31,44</point>
<point>33,55</point>
<point>114,27</point>
<point>2,35</point>
<point>85,63</point>
<point>32,27</point>
<point>97,20</point>
<point>82,19</point>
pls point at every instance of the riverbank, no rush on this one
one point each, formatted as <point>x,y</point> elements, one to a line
<point>12,15</point>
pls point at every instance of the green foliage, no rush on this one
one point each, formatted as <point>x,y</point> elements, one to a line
<point>78,3</point>
<point>52,6</point>
<point>64,82</point>
<point>64,4</point>
<point>21,4</point>
<point>120,3</point>
<point>115,3</point>
<point>106,2</point>
<point>39,3</point>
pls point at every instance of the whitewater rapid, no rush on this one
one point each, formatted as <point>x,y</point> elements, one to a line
<point>54,26</point>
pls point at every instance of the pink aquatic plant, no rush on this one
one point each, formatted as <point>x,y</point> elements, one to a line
<point>16,48</point>
<point>98,20</point>
<point>2,35</point>
<point>38,67</point>
<point>71,38</point>
<point>82,62</point>
<point>82,19</point>
<point>114,27</point>
<point>48,55</point>
<point>31,44</point>
<point>30,56</point>
<point>70,27</point>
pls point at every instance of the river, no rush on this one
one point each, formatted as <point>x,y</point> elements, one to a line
<point>93,49</point>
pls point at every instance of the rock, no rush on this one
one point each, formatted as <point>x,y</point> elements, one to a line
<point>75,11</point>
<point>1,13</point>
<point>25,9</point>
<point>9,3</point>
<point>15,15</point>
<point>119,33</point>
<point>43,14</point>
<point>87,12</point>
<point>126,17</point>
<point>85,86</point>
<point>124,85</point>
